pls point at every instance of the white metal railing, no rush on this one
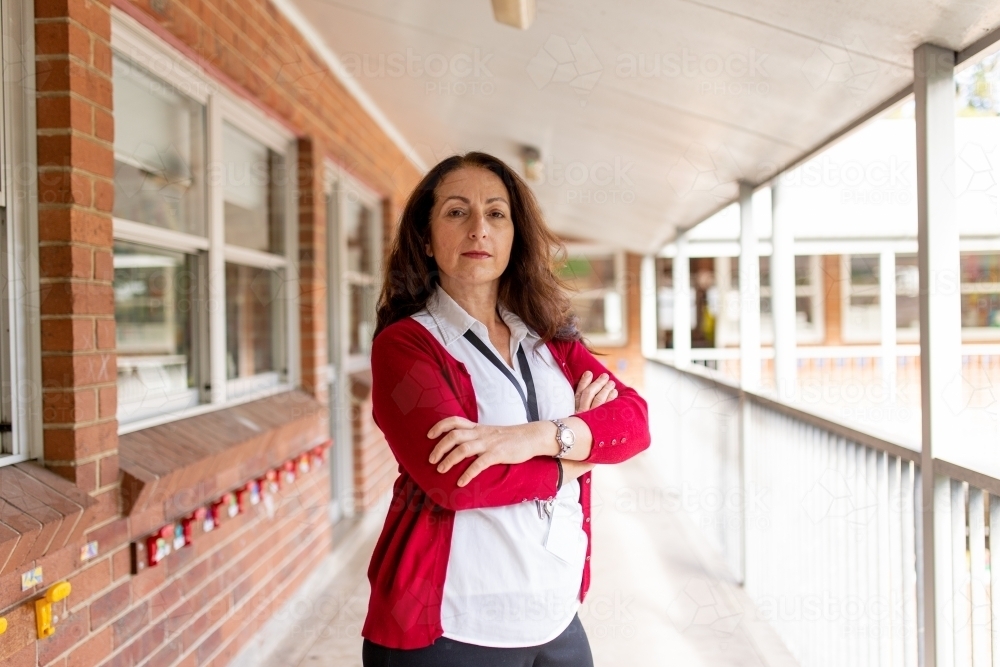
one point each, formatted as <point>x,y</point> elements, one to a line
<point>823,526</point>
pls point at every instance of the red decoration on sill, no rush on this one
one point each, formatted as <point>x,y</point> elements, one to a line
<point>289,475</point>
<point>158,545</point>
<point>249,495</point>
<point>188,523</point>
<point>269,483</point>
<point>303,463</point>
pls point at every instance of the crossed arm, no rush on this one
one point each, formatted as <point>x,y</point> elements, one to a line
<point>461,464</point>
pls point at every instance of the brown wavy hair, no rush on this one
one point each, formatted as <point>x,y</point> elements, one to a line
<point>529,286</point>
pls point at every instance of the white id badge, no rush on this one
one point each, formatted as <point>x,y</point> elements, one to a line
<point>565,538</point>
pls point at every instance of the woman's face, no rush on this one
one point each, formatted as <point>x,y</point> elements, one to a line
<point>471,228</point>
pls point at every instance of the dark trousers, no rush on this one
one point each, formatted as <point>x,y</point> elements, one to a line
<point>569,649</point>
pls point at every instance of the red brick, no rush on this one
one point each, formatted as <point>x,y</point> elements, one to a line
<point>70,223</point>
<point>62,111</point>
<point>93,651</point>
<point>76,298</point>
<point>121,563</point>
<point>63,407</point>
<point>66,261</point>
<point>107,398</point>
<point>108,468</point>
<point>110,605</point>
<point>105,334</point>
<point>91,581</point>
<point>104,195</point>
<point>67,444</point>
<point>78,370</point>
<point>83,475</point>
<point>67,335</point>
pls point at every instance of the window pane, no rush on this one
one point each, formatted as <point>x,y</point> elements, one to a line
<point>155,295</point>
<point>255,308</point>
<point>803,270</point>
<point>253,191</point>
<point>907,292</point>
<point>589,273</point>
<point>358,234</point>
<point>159,152</point>
<point>864,271</point>
<point>362,318</point>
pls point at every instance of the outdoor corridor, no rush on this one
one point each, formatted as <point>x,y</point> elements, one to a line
<point>659,595</point>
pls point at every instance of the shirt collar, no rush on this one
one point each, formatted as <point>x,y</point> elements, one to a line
<point>453,321</point>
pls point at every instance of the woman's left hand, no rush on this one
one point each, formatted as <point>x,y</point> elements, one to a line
<point>489,444</point>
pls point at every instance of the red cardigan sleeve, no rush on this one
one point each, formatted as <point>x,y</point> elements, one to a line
<point>620,427</point>
<point>411,391</point>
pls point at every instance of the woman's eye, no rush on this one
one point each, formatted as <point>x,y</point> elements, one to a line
<point>497,214</point>
<point>455,212</point>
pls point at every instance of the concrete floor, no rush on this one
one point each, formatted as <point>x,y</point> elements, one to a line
<point>658,596</point>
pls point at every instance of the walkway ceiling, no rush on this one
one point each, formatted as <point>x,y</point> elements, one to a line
<point>648,112</point>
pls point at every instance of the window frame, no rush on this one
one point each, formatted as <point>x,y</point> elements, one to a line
<point>593,250</point>
<point>20,349</point>
<point>337,182</point>
<point>812,334</point>
<point>134,42</point>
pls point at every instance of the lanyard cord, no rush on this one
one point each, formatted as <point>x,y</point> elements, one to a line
<point>530,403</point>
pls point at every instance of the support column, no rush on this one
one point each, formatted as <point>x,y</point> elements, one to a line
<point>887,306</point>
<point>940,335</point>
<point>682,304</point>
<point>647,305</point>
<point>783,297</point>
<point>749,293</point>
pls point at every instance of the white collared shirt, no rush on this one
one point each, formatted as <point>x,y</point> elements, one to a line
<point>503,587</point>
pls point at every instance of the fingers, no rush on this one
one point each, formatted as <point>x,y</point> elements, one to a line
<point>447,424</point>
<point>460,453</point>
<point>604,395</point>
<point>586,392</point>
<point>457,435</point>
<point>480,464</point>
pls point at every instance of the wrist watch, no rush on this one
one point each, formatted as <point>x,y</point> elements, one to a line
<point>564,437</point>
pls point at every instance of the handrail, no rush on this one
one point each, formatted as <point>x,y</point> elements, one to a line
<point>838,429</point>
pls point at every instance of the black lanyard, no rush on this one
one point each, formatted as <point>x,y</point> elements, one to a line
<point>530,404</point>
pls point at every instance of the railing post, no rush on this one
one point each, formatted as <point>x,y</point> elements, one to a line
<point>647,305</point>
<point>887,307</point>
<point>749,293</point>
<point>783,296</point>
<point>682,304</point>
<point>940,335</point>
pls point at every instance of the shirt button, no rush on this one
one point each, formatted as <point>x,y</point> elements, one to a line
<point>587,519</point>
<point>588,480</point>
<point>623,441</point>
<point>525,500</point>
<point>614,442</point>
<point>588,557</point>
<point>600,444</point>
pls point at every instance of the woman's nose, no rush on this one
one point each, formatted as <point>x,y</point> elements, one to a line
<point>478,226</point>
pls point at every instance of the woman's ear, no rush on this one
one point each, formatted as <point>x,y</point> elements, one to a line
<point>427,250</point>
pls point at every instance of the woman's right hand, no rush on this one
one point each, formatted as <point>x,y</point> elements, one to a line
<point>591,392</point>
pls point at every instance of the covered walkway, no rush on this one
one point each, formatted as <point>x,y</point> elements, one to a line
<point>661,595</point>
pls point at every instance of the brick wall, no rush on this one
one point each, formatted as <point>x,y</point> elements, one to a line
<point>626,361</point>
<point>201,603</point>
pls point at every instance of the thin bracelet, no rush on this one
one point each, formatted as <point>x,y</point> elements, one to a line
<point>559,484</point>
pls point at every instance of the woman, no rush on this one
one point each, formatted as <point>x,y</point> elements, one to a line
<point>496,413</point>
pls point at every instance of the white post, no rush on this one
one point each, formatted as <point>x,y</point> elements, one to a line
<point>940,333</point>
<point>887,306</point>
<point>749,294</point>
<point>783,296</point>
<point>647,305</point>
<point>682,304</point>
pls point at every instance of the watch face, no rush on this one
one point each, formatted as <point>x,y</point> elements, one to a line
<point>568,437</point>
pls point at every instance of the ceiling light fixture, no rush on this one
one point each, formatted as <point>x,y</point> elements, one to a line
<point>534,168</point>
<point>516,13</point>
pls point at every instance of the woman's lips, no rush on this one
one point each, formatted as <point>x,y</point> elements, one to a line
<point>476,255</point>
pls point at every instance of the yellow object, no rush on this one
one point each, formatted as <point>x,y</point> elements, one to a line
<point>3,625</point>
<point>43,608</point>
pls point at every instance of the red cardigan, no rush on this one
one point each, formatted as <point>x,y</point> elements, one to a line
<point>415,384</point>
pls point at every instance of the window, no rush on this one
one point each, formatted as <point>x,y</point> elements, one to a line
<point>808,300</point>
<point>597,280</point>
<point>980,279</point>
<point>203,215</point>
<point>355,263</point>
<point>20,411</point>
<point>862,323</point>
